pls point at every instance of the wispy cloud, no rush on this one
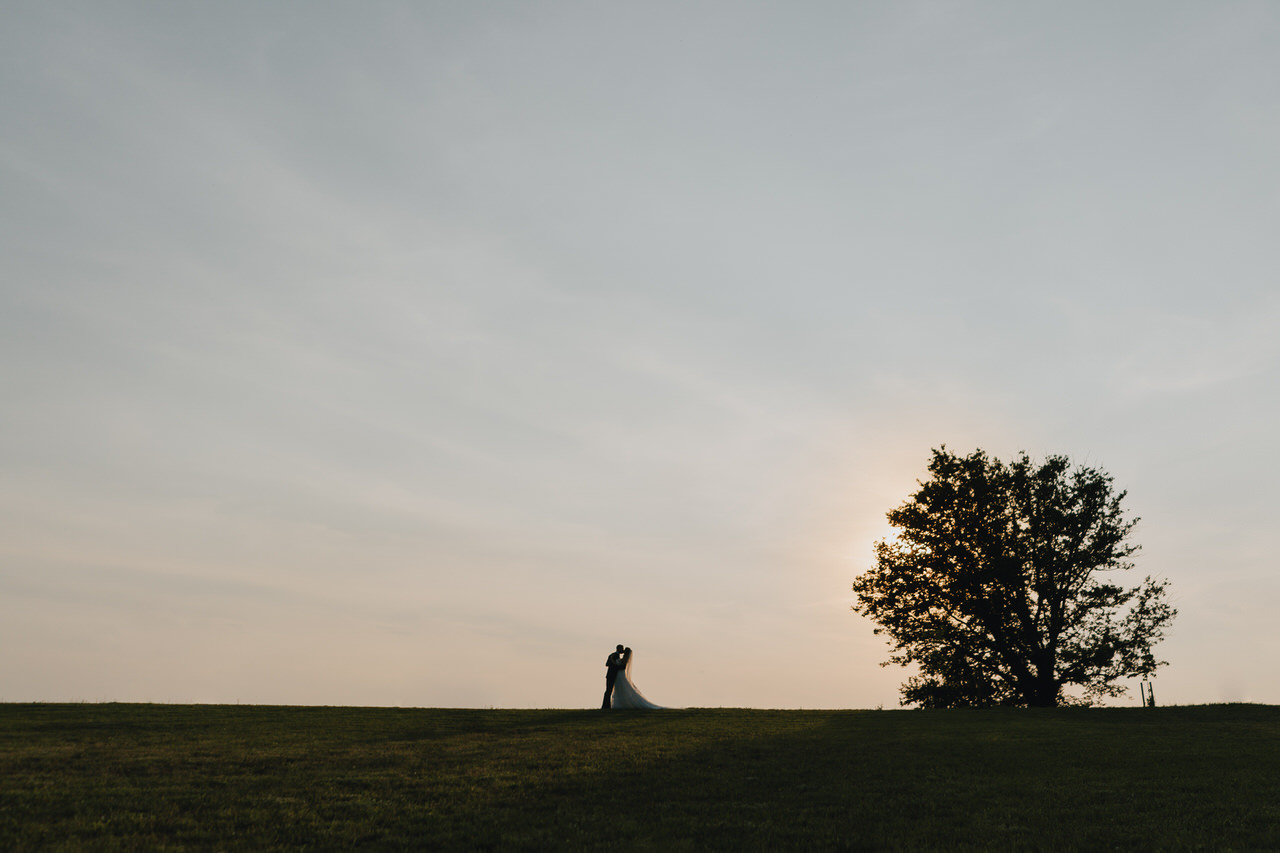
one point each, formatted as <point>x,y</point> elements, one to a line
<point>456,341</point>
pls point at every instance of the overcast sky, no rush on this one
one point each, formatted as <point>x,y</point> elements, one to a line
<point>418,353</point>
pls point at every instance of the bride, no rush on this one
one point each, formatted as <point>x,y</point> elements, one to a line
<point>625,694</point>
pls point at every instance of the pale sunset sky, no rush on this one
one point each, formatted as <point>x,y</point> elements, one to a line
<point>417,353</point>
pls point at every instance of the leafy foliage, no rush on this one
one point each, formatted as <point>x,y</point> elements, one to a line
<point>994,586</point>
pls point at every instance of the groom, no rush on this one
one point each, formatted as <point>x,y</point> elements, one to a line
<point>614,664</point>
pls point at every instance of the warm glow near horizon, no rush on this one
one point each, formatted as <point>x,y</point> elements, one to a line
<point>417,354</point>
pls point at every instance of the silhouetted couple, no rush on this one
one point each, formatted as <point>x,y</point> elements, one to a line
<point>619,692</point>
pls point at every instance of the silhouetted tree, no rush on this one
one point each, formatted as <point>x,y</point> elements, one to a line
<point>993,586</point>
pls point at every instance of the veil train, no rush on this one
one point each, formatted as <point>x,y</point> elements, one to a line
<point>625,694</point>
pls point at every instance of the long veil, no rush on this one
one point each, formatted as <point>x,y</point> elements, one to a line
<point>625,694</point>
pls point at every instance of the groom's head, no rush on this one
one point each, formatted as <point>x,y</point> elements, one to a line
<point>619,648</point>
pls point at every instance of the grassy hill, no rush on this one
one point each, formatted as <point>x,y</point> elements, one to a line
<point>260,778</point>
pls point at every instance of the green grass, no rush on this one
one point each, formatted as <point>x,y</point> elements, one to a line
<point>142,777</point>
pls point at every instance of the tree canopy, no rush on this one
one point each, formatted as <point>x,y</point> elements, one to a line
<point>998,586</point>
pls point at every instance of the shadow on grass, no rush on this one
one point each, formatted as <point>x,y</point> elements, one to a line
<point>273,778</point>
<point>1196,778</point>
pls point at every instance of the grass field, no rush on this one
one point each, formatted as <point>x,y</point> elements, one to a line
<point>142,777</point>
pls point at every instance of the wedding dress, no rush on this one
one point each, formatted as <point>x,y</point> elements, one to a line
<point>625,694</point>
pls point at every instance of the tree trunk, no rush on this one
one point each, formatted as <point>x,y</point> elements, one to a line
<point>1046,689</point>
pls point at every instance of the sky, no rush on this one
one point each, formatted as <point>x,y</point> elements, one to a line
<point>418,353</point>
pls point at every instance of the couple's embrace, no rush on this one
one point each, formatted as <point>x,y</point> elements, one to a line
<point>619,692</point>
